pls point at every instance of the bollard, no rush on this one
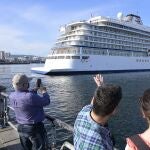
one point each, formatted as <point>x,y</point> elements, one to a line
<point>3,108</point>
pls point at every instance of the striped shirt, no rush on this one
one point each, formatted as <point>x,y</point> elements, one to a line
<point>89,135</point>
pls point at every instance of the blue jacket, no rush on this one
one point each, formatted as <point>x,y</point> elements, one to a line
<point>28,106</point>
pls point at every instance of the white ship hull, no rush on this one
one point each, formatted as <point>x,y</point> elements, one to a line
<point>95,63</point>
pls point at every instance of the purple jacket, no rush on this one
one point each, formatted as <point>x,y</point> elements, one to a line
<point>28,106</point>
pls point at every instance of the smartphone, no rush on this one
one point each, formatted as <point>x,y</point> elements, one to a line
<point>38,83</point>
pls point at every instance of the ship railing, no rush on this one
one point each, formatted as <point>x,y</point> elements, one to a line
<point>6,120</point>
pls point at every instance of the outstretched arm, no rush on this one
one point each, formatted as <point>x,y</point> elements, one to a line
<point>40,101</point>
<point>99,82</point>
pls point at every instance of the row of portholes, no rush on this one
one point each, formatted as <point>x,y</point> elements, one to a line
<point>142,60</point>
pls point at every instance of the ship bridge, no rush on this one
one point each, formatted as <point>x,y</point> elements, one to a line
<point>134,19</point>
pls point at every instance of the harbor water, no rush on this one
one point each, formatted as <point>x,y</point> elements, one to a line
<point>70,93</point>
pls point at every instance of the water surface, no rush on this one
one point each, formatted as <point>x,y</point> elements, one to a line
<point>70,93</point>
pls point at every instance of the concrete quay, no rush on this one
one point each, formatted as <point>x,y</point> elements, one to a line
<point>9,139</point>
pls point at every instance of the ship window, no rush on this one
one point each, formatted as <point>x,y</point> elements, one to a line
<point>86,37</point>
<point>67,57</point>
<point>60,57</point>
<point>75,57</point>
<point>53,57</point>
<point>85,57</point>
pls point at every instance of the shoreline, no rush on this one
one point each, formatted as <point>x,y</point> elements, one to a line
<point>20,63</point>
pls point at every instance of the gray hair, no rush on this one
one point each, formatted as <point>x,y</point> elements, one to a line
<point>20,82</point>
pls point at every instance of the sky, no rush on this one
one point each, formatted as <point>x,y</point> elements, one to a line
<point>31,27</point>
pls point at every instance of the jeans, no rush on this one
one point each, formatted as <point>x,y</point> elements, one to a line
<point>33,137</point>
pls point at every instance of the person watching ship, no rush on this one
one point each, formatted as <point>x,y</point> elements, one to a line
<point>28,107</point>
<point>91,129</point>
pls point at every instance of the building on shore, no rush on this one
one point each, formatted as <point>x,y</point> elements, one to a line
<point>8,58</point>
<point>2,55</point>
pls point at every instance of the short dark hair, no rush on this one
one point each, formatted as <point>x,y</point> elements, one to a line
<point>106,98</point>
<point>145,103</point>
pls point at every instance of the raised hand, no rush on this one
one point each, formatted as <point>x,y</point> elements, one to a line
<point>99,80</point>
<point>43,90</point>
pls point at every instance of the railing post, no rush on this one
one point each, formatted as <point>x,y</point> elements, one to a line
<point>3,108</point>
<point>5,112</point>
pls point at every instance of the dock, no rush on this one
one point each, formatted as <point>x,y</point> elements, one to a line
<point>9,139</point>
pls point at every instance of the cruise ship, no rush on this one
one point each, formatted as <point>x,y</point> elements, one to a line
<point>100,44</point>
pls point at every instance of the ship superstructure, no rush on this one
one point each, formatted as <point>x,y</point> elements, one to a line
<point>100,44</point>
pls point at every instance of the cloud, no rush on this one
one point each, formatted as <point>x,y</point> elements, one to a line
<point>12,40</point>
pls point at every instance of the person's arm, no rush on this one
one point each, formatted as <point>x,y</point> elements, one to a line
<point>92,101</point>
<point>41,101</point>
<point>99,82</point>
<point>11,101</point>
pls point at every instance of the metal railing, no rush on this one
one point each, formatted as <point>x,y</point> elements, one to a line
<point>4,116</point>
